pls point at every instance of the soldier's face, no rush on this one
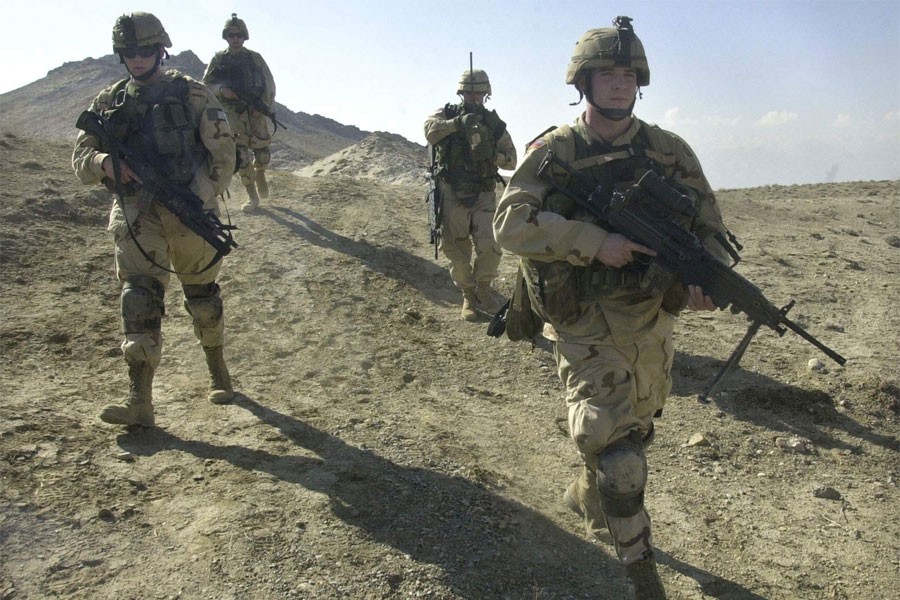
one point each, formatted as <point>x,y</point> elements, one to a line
<point>235,39</point>
<point>473,97</point>
<point>141,60</point>
<point>614,88</point>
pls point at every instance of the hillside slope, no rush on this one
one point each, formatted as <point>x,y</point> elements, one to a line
<point>47,109</point>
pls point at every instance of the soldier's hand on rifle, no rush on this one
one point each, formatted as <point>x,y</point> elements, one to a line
<point>616,251</point>
<point>697,300</point>
<point>126,175</point>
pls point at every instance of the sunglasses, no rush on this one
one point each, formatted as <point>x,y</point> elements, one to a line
<point>142,51</point>
<point>234,34</point>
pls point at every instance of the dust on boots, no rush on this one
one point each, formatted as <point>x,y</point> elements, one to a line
<point>252,199</point>
<point>138,409</point>
<point>468,305</point>
<point>645,579</point>
<point>220,390</point>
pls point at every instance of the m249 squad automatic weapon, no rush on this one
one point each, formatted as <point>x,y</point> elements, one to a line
<point>644,214</point>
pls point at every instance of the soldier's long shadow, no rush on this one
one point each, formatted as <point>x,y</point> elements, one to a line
<point>485,545</point>
<point>773,404</point>
<point>712,585</point>
<point>430,279</point>
<point>471,533</point>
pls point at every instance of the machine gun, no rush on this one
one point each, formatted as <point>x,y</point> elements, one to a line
<point>644,214</point>
<point>179,200</point>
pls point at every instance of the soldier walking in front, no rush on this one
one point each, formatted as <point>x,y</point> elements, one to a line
<point>176,124</point>
<point>470,144</point>
<point>608,312</point>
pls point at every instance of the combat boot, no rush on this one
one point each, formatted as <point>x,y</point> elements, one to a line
<point>138,409</point>
<point>252,199</point>
<point>468,305</point>
<point>262,186</point>
<point>583,499</point>
<point>220,390</point>
<point>645,578</point>
<point>488,298</point>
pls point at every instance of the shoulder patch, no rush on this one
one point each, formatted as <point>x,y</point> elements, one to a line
<point>536,144</point>
<point>215,113</point>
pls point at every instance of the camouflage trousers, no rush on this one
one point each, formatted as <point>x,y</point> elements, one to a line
<point>610,391</point>
<point>467,226</point>
<point>252,136</point>
<point>172,245</point>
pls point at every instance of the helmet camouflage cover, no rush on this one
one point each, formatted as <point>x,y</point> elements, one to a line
<point>474,81</point>
<point>139,29</point>
<point>609,47</point>
<point>235,24</point>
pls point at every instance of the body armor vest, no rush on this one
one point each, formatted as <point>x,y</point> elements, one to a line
<point>466,157</point>
<point>158,123</point>
<point>237,70</point>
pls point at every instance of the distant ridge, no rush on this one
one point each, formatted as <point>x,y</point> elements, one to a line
<point>47,109</point>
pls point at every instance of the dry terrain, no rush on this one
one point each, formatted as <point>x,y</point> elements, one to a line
<point>380,447</point>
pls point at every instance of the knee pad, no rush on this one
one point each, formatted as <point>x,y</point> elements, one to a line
<point>622,476</point>
<point>261,158</point>
<point>203,303</point>
<point>142,304</point>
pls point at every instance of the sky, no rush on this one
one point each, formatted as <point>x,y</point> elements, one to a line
<point>764,91</point>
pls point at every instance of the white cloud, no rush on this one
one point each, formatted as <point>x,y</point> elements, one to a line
<point>775,118</point>
<point>842,120</point>
<point>892,116</point>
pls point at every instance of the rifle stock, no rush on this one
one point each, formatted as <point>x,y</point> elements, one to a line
<point>680,251</point>
<point>180,201</point>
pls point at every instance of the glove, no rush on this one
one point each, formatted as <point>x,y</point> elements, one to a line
<point>467,121</point>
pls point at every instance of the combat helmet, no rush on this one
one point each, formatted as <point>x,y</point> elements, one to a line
<point>139,29</point>
<point>474,81</point>
<point>235,24</point>
<point>609,47</point>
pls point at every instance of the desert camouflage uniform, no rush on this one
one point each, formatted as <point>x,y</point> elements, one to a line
<point>251,128</point>
<point>158,231</point>
<point>468,208</point>
<point>612,341</point>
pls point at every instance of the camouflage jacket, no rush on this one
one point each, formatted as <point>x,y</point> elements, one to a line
<point>442,130</point>
<point>210,179</point>
<point>248,70</point>
<point>558,249</point>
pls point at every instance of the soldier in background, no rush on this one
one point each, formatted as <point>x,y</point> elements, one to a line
<point>240,77</point>
<point>176,124</point>
<point>471,143</point>
<point>608,312</point>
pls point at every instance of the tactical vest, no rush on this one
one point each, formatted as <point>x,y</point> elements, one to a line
<point>558,288</point>
<point>466,159</point>
<point>237,70</point>
<point>158,123</point>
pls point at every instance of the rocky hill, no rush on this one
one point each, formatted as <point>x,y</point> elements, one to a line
<point>48,107</point>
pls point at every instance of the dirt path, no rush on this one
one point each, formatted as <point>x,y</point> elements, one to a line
<point>381,447</point>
